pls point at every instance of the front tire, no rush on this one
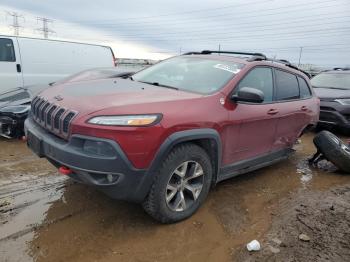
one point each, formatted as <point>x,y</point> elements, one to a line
<point>181,184</point>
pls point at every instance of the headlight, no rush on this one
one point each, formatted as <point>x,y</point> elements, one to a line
<point>15,109</point>
<point>126,120</point>
<point>344,102</point>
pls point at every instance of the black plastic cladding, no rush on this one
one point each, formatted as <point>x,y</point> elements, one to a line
<point>53,118</point>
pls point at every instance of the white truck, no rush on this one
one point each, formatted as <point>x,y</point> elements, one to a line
<point>28,61</point>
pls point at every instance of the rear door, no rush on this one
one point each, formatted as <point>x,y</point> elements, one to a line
<point>290,107</point>
<point>10,64</point>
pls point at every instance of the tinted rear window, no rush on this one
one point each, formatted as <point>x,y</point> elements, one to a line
<point>287,87</point>
<point>304,88</point>
<point>7,52</point>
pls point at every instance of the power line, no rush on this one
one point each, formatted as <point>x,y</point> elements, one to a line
<point>239,36</point>
<point>180,13</point>
<point>236,31</point>
<point>254,25</point>
<point>244,15</point>
<point>45,27</point>
<point>15,22</point>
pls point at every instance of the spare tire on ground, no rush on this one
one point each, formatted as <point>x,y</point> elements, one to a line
<point>333,149</point>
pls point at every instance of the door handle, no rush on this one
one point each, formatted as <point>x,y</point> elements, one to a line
<point>19,69</point>
<point>304,108</point>
<point>272,111</point>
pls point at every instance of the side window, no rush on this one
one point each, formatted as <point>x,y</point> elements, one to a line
<point>7,52</point>
<point>259,78</point>
<point>287,86</point>
<point>304,88</point>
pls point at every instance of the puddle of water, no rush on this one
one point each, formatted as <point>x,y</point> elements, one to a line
<point>23,210</point>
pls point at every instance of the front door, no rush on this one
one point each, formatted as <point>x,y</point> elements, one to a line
<point>10,65</point>
<point>256,122</point>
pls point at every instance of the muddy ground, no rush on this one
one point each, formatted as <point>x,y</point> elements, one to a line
<point>46,217</point>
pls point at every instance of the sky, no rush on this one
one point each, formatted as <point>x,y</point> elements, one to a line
<point>319,30</point>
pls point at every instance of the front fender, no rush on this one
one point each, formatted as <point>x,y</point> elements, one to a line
<point>176,139</point>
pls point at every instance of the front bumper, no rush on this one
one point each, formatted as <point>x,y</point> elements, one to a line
<point>113,174</point>
<point>333,113</point>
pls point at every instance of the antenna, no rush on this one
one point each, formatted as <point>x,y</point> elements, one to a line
<point>45,28</point>
<point>15,22</point>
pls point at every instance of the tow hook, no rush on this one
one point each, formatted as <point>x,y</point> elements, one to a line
<point>65,170</point>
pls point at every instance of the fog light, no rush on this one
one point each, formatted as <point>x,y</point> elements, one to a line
<point>110,178</point>
<point>99,148</point>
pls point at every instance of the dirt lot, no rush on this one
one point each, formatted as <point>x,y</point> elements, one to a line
<point>46,217</point>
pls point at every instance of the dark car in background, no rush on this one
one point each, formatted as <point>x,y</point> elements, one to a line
<point>15,103</point>
<point>333,89</point>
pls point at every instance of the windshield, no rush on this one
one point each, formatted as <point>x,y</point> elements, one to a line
<point>190,74</point>
<point>332,80</point>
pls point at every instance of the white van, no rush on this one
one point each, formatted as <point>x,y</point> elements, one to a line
<point>29,61</point>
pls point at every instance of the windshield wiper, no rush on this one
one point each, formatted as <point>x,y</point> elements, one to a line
<point>157,84</point>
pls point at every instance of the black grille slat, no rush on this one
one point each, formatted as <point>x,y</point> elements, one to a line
<point>56,123</point>
<point>42,112</point>
<point>49,115</point>
<point>33,104</point>
<point>39,104</point>
<point>66,121</point>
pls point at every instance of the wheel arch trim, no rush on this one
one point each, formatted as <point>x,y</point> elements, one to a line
<point>176,139</point>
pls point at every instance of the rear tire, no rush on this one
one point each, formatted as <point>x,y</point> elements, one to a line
<point>334,150</point>
<point>181,184</point>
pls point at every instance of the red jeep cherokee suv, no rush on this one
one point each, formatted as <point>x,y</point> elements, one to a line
<point>164,136</point>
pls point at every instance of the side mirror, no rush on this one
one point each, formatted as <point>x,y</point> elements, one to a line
<point>249,94</point>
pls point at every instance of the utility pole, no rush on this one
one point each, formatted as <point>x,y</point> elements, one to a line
<point>15,22</point>
<point>180,51</point>
<point>45,28</point>
<point>301,51</point>
<point>219,48</point>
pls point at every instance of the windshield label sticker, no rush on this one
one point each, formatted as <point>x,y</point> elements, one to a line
<point>229,68</point>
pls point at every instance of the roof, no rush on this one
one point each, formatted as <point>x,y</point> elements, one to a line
<point>246,57</point>
<point>52,40</point>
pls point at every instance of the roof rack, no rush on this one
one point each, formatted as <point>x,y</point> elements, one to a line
<point>341,68</point>
<point>289,64</point>
<point>208,52</point>
<point>254,57</point>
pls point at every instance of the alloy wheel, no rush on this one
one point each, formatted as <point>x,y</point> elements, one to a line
<point>184,186</point>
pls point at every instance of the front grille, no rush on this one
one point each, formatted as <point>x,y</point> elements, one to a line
<point>327,108</point>
<point>347,116</point>
<point>52,117</point>
<point>329,117</point>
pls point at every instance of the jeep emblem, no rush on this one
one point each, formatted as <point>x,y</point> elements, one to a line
<point>58,98</point>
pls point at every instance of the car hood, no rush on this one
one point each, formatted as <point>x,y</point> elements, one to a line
<point>14,97</point>
<point>96,95</point>
<point>331,94</point>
